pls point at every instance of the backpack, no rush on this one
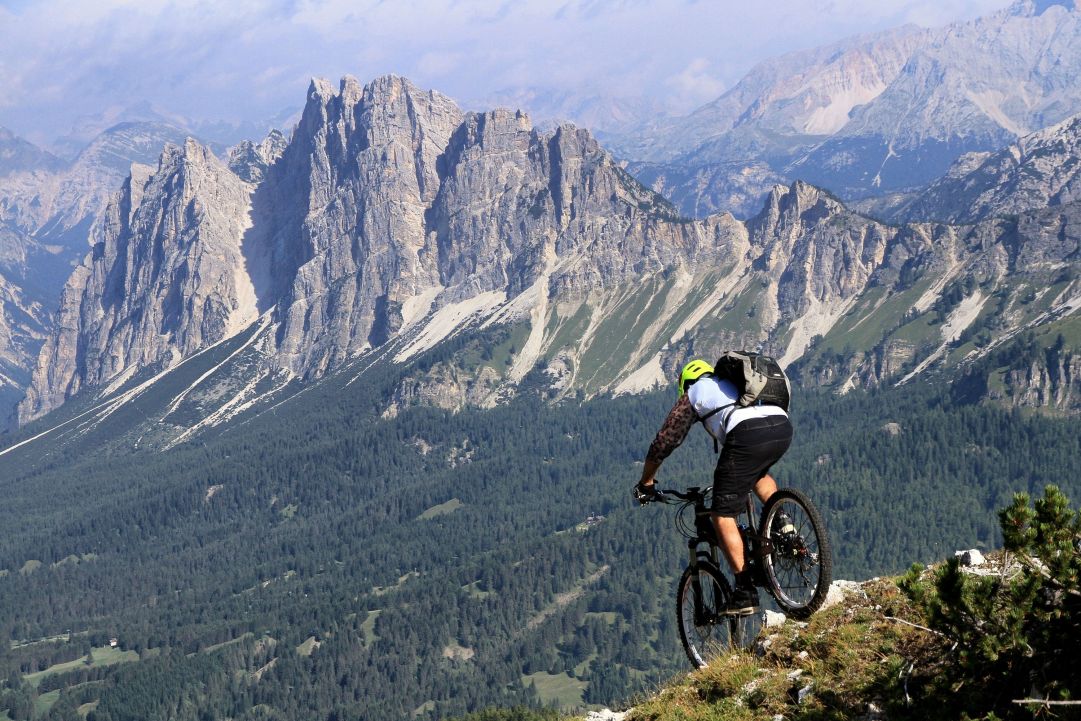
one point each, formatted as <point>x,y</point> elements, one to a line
<point>758,378</point>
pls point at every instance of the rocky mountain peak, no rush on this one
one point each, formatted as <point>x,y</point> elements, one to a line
<point>250,161</point>
<point>165,278</point>
<point>19,155</point>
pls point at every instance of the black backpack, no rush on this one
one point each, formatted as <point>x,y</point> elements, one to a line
<point>758,378</point>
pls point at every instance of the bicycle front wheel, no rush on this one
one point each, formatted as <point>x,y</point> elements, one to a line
<point>704,629</point>
<point>799,569</point>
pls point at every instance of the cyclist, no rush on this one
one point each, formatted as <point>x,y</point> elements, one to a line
<point>752,439</point>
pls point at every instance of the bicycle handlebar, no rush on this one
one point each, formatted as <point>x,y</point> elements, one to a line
<point>661,495</point>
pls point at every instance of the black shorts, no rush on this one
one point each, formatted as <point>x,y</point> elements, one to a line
<point>749,451</point>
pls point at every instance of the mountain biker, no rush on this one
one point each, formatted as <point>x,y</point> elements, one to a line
<point>752,439</point>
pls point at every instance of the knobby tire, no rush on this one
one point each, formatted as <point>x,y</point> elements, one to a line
<point>798,571</point>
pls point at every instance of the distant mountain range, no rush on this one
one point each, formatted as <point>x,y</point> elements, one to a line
<point>392,222</point>
<point>871,114</point>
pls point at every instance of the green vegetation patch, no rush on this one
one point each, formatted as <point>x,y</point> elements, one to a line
<point>475,591</point>
<point>103,656</point>
<point>501,356</point>
<point>230,642</point>
<point>740,313</point>
<point>618,336</point>
<point>566,332</point>
<point>44,702</point>
<point>308,646</point>
<point>609,617</point>
<point>367,629</point>
<point>847,657</point>
<point>441,509</point>
<point>560,690</point>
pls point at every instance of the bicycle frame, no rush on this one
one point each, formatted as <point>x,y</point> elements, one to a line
<point>755,547</point>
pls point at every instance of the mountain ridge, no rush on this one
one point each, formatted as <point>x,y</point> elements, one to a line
<point>392,220</point>
<point>969,86</point>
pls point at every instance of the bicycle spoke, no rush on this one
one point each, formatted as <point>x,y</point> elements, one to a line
<point>714,633</point>
<point>795,564</point>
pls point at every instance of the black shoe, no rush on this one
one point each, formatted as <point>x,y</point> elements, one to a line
<point>744,601</point>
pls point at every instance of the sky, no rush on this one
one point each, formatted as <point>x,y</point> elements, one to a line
<point>69,62</point>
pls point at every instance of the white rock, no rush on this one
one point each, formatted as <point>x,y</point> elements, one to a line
<point>774,619</point>
<point>804,693</point>
<point>971,557</point>
<point>606,715</point>
<point>838,589</point>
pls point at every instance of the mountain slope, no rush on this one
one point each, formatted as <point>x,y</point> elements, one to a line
<point>1037,171</point>
<point>392,222</point>
<point>47,209</point>
<point>395,547</point>
<point>884,113</point>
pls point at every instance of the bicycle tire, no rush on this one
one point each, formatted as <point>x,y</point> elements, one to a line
<point>716,634</point>
<point>788,568</point>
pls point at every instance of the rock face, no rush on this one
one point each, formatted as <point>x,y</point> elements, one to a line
<point>166,277</point>
<point>391,221</point>
<point>18,155</point>
<point>47,209</point>
<point>885,113</point>
<point>1039,170</point>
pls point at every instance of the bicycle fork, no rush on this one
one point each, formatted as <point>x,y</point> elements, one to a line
<point>696,582</point>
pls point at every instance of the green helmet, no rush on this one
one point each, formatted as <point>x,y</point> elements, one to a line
<point>692,372</point>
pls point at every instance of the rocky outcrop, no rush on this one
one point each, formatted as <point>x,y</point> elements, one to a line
<point>1039,170</point>
<point>18,155</point>
<point>166,277</point>
<point>250,161</point>
<point>1053,382</point>
<point>415,205</point>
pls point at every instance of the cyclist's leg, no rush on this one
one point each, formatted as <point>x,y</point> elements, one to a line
<point>731,541</point>
<point>765,487</point>
<point>750,449</point>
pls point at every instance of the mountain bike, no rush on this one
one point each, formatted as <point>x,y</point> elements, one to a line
<point>785,547</point>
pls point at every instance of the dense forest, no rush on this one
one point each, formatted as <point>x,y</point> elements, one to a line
<point>320,561</point>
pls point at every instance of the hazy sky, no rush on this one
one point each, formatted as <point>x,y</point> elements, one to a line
<point>242,59</point>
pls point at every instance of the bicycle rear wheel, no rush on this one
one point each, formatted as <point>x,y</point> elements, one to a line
<point>799,569</point>
<point>709,633</point>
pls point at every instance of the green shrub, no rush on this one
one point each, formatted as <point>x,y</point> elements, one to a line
<point>1018,633</point>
